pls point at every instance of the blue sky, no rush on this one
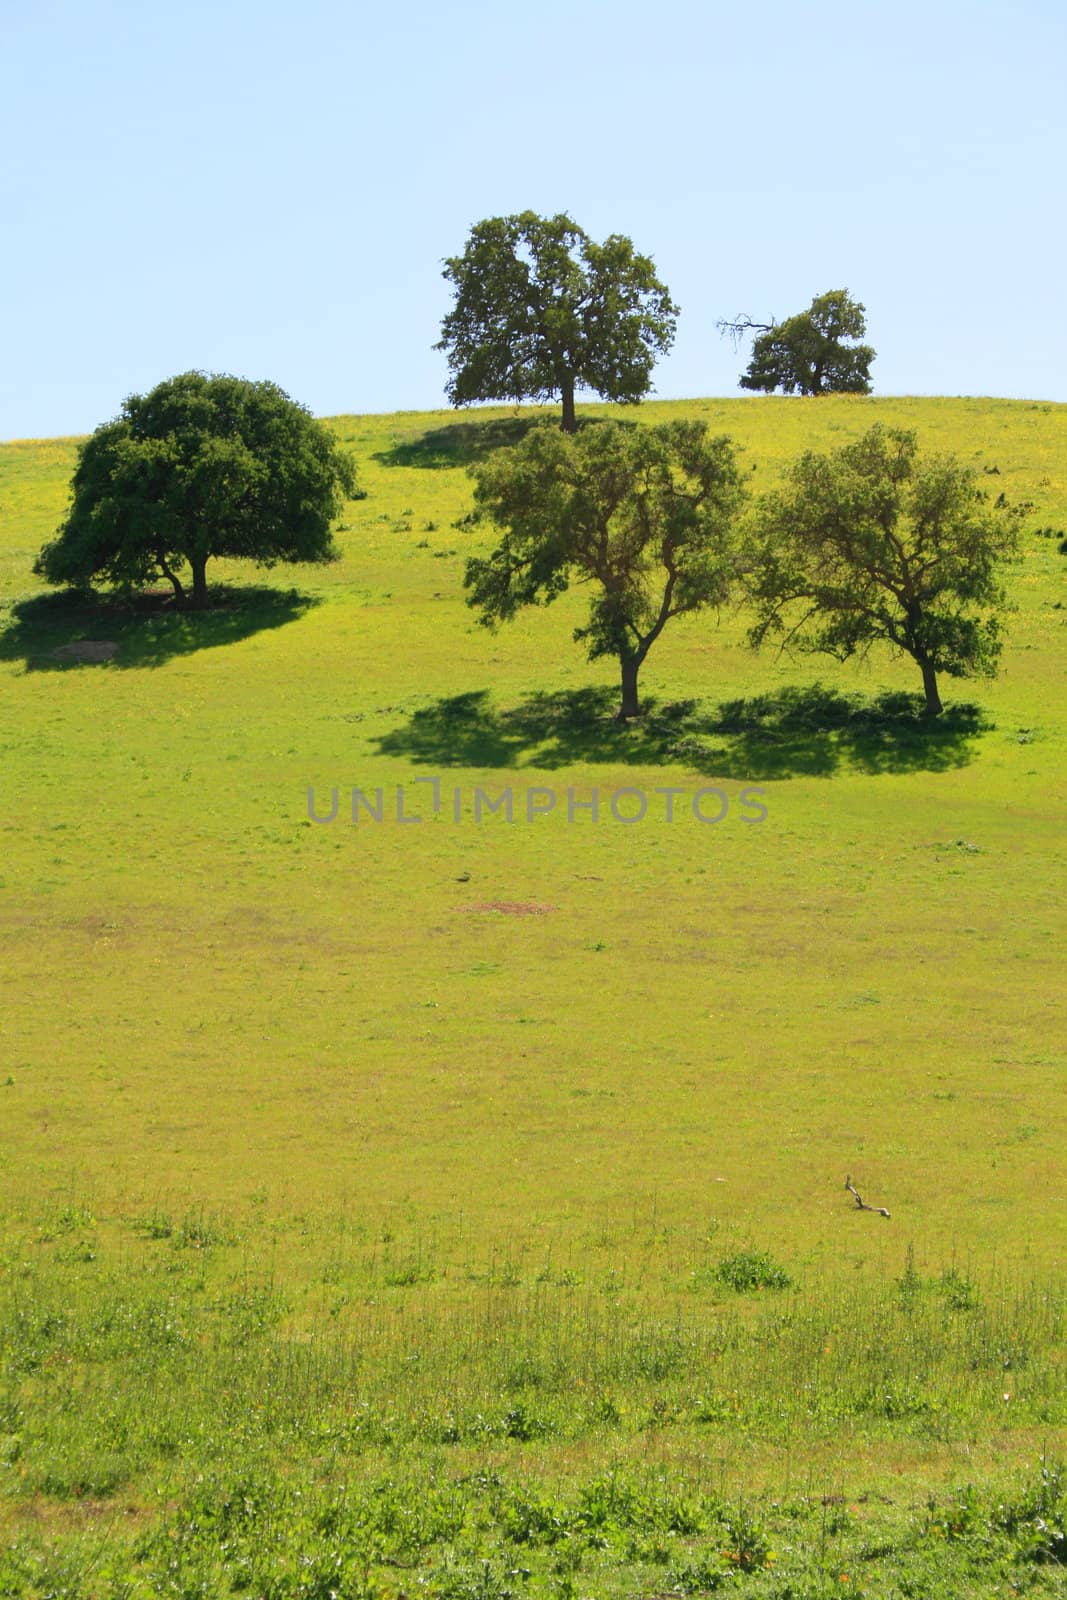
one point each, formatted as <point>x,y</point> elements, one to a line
<point>270,189</point>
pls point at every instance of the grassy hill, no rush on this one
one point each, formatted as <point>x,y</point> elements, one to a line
<point>331,1094</point>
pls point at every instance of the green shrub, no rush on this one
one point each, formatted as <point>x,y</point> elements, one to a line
<point>1036,1523</point>
<point>749,1270</point>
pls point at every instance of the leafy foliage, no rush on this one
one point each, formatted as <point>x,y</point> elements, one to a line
<point>872,543</point>
<point>812,352</point>
<point>201,466</point>
<point>541,309</point>
<point>646,514</point>
<point>748,1270</point>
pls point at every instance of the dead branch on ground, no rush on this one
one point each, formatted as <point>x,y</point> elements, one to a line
<point>880,1210</point>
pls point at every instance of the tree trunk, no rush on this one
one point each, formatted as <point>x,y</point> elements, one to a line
<point>173,579</point>
<point>934,707</point>
<point>631,665</point>
<point>570,421</point>
<point>199,568</point>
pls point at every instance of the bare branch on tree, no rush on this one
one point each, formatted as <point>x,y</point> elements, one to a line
<point>737,327</point>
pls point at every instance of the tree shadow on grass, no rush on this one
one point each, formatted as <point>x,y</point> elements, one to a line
<point>57,632</point>
<point>458,444</point>
<point>810,731</point>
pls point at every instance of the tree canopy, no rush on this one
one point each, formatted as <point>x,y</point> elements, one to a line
<point>874,543</point>
<point>811,353</point>
<point>541,310</point>
<point>201,466</point>
<point>645,515</point>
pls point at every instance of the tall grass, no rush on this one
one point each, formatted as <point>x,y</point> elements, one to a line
<point>502,1440</point>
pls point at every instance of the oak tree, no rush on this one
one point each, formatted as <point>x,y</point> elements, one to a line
<point>201,466</point>
<point>542,310</point>
<point>876,543</point>
<point>812,353</point>
<point>644,516</point>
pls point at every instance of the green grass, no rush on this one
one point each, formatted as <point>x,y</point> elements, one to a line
<point>325,1175</point>
<point>182,1420</point>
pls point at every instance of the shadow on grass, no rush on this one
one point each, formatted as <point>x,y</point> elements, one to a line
<point>793,732</point>
<point>55,632</point>
<point>459,443</point>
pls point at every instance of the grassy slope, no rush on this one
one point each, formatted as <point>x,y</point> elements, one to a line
<point>254,1001</point>
<point>206,1002</point>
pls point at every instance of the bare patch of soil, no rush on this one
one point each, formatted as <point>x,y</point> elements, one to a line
<point>512,908</point>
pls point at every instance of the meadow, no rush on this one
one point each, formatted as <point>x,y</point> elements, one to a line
<point>457,1207</point>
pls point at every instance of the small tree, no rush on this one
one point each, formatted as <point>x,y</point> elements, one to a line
<point>202,466</point>
<point>809,353</point>
<point>872,543</point>
<point>644,514</point>
<point>541,310</point>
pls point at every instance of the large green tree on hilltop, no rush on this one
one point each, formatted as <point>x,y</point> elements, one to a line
<point>645,516</point>
<point>201,466</point>
<point>875,543</point>
<point>541,310</point>
<point>812,353</point>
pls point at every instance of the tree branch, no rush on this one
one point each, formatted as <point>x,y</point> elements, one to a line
<point>879,1210</point>
<point>738,326</point>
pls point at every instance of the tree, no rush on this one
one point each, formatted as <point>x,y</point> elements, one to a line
<point>808,353</point>
<point>874,543</point>
<point>201,466</point>
<point>540,310</point>
<point>644,514</point>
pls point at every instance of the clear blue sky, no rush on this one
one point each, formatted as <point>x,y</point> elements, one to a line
<point>269,189</point>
